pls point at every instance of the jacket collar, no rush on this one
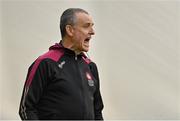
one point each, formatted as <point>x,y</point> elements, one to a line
<point>59,46</point>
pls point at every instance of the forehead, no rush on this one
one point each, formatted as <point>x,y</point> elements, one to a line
<point>83,18</point>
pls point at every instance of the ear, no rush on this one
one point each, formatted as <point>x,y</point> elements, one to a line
<point>69,30</point>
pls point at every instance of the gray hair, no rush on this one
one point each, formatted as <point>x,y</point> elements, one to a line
<point>68,18</point>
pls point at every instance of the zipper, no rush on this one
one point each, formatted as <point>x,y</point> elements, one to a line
<point>81,86</point>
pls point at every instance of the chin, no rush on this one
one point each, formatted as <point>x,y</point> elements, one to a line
<point>85,50</point>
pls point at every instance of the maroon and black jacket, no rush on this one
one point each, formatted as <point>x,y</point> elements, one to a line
<point>61,85</point>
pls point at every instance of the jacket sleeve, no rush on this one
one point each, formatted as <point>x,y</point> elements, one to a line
<point>33,88</point>
<point>98,103</point>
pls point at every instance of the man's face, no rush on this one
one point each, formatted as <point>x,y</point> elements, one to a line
<point>82,32</point>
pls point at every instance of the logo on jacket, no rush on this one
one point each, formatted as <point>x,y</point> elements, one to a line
<point>90,81</point>
<point>61,64</point>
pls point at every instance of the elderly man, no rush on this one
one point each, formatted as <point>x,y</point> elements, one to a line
<point>63,83</point>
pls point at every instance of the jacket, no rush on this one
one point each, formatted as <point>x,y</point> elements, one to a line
<point>61,85</point>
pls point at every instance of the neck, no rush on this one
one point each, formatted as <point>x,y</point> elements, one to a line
<point>67,43</point>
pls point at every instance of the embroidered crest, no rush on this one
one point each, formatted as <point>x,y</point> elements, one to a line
<point>61,64</point>
<point>89,78</point>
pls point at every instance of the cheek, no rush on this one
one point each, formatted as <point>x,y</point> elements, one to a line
<point>78,39</point>
<point>80,36</point>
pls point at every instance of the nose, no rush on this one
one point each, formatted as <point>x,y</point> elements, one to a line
<point>92,32</point>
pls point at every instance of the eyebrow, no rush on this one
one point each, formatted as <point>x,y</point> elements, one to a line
<point>89,24</point>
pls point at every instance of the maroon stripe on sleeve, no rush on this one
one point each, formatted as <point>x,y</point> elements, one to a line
<point>52,54</point>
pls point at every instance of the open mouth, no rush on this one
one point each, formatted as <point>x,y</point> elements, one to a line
<point>87,39</point>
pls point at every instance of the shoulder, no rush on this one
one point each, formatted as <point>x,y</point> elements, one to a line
<point>88,61</point>
<point>54,55</point>
<point>44,59</point>
<point>93,67</point>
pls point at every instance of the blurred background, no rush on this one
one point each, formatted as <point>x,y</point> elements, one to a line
<point>136,48</point>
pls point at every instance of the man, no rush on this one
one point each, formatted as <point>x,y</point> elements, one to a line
<point>63,83</point>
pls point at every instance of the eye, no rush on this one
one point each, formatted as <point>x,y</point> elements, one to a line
<point>86,25</point>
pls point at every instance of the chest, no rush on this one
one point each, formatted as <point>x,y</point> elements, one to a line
<point>73,75</point>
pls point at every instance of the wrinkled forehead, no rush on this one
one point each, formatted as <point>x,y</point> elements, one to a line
<point>83,18</point>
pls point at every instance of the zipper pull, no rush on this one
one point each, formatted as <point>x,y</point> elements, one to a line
<point>76,57</point>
